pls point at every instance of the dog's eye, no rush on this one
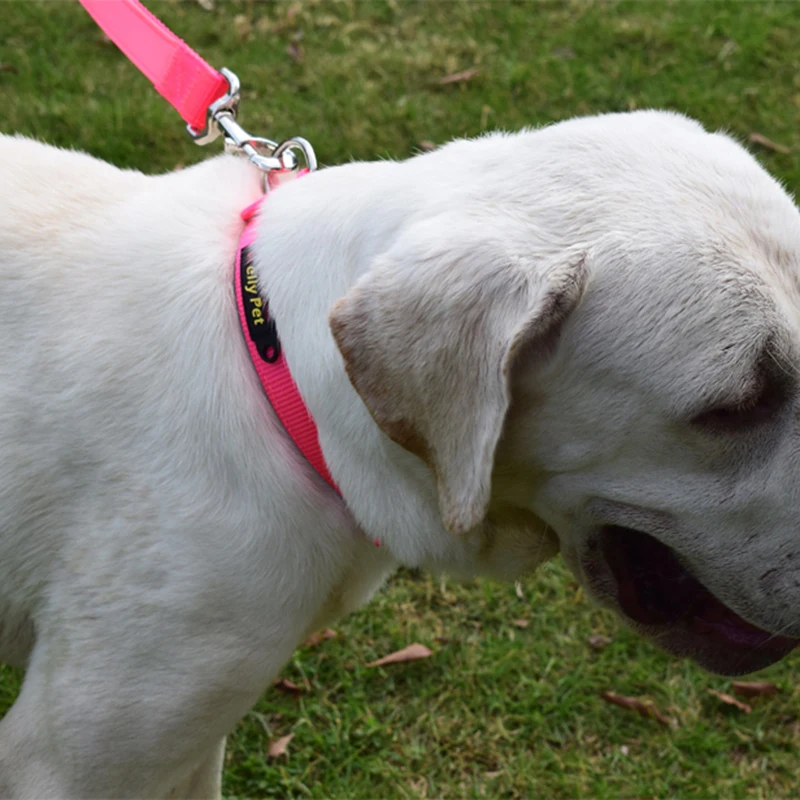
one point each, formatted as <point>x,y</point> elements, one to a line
<point>760,407</point>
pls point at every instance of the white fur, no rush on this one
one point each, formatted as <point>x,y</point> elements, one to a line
<point>163,546</point>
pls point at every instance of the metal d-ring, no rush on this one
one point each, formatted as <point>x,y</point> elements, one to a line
<point>288,146</point>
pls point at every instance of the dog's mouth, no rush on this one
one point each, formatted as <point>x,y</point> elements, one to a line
<point>657,593</point>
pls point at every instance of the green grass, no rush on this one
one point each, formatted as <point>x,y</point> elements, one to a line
<point>499,710</point>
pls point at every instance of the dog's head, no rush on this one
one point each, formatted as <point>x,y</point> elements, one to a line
<point>610,342</point>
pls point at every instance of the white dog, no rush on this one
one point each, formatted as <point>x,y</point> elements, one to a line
<point>581,338</point>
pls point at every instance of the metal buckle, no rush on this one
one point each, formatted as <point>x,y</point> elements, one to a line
<point>264,153</point>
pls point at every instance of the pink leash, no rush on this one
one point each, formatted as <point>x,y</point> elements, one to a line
<point>208,100</point>
<point>179,75</point>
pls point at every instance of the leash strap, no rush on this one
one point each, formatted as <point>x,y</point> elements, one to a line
<point>179,74</point>
<point>207,100</point>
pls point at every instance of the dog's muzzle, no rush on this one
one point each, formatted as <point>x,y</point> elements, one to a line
<point>658,595</point>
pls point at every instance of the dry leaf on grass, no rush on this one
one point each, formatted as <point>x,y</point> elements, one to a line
<point>459,77</point>
<point>598,641</point>
<point>319,636</point>
<point>288,687</point>
<point>9,68</point>
<point>242,26</point>
<point>754,688</point>
<point>647,708</point>
<point>759,138</point>
<point>295,52</point>
<point>426,145</point>
<point>411,653</point>
<point>521,623</point>
<point>279,746</point>
<point>731,701</point>
<point>565,53</point>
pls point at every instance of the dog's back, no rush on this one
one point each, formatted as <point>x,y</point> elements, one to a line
<point>50,200</point>
<point>90,286</point>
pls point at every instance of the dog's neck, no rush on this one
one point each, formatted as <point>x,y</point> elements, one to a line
<point>312,247</point>
<point>303,269</point>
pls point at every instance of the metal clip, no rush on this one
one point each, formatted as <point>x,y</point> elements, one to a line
<point>227,104</point>
<point>264,153</point>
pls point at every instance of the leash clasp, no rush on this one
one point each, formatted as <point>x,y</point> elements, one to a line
<point>228,105</point>
<point>266,154</point>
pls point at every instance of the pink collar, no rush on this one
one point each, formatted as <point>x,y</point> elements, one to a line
<point>265,351</point>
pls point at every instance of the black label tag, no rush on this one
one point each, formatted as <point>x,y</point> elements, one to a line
<point>260,327</point>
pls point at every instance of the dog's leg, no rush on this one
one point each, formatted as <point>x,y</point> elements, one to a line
<point>205,782</point>
<point>28,769</point>
<point>90,724</point>
<point>27,766</point>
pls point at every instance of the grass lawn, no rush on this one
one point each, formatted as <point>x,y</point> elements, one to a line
<point>510,704</point>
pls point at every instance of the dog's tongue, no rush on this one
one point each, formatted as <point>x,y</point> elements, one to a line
<point>732,629</point>
<point>653,588</point>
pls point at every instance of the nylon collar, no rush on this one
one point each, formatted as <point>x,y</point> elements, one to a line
<point>267,356</point>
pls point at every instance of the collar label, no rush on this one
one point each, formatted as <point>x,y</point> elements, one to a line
<point>260,327</point>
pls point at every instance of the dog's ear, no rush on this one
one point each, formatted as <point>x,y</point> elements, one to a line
<point>429,336</point>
